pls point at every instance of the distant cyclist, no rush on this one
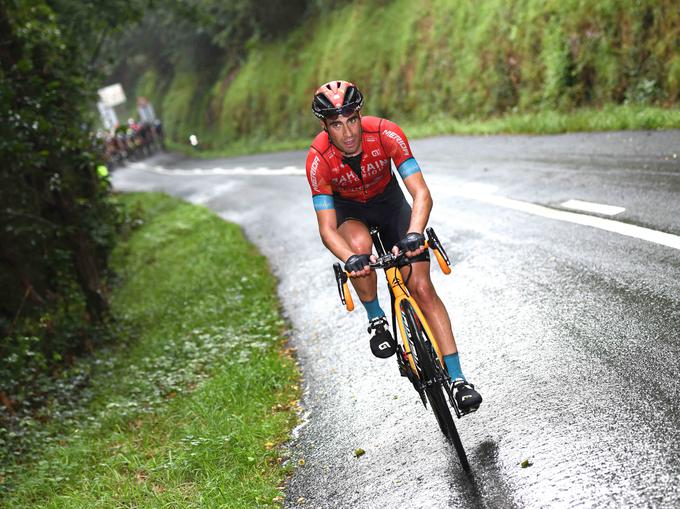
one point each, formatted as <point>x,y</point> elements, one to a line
<point>353,188</point>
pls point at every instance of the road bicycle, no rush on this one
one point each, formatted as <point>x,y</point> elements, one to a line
<point>418,355</point>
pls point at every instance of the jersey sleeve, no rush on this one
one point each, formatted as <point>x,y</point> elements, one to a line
<point>395,142</point>
<point>319,182</point>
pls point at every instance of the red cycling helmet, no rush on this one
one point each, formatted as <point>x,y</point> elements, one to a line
<point>336,98</point>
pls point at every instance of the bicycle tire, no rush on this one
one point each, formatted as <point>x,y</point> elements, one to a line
<point>427,363</point>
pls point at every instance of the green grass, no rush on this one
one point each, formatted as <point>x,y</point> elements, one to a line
<point>608,118</point>
<point>192,409</point>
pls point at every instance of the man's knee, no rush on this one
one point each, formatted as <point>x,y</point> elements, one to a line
<point>357,237</point>
<point>423,291</point>
<point>360,245</point>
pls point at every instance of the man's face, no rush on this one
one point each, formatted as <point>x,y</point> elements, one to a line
<point>345,132</point>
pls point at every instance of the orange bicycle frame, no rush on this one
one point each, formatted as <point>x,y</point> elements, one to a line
<point>396,284</point>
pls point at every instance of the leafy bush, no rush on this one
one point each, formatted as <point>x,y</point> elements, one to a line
<point>58,218</point>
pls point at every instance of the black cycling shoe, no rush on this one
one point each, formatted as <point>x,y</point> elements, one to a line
<point>383,344</point>
<point>467,398</point>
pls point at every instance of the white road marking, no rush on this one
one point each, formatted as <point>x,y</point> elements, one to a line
<point>237,170</point>
<point>473,190</point>
<point>597,208</point>
<point>629,230</point>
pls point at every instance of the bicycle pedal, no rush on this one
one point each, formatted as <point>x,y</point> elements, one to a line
<point>468,411</point>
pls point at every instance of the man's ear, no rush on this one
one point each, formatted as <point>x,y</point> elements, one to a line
<point>323,125</point>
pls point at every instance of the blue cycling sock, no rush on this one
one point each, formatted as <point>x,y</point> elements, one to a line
<point>453,365</point>
<point>373,309</point>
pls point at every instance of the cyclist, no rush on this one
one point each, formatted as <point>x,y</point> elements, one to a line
<point>353,187</point>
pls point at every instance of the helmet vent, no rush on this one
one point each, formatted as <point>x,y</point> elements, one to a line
<point>336,98</point>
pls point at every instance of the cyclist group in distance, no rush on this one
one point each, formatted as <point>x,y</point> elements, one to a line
<point>131,142</point>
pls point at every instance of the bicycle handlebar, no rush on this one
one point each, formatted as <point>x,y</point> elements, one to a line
<point>389,260</point>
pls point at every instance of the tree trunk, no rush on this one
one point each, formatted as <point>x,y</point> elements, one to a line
<point>85,262</point>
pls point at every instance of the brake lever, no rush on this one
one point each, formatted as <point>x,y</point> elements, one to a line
<point>343,289</point>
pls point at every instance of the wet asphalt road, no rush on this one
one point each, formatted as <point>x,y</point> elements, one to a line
<point>571,333</point>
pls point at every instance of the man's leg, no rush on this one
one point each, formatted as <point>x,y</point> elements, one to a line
<point>421,288</point>
<point>359,239</point>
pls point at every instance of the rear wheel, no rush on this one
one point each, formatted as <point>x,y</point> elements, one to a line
<point>431,374</point>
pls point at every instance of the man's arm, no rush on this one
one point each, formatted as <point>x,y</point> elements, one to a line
<point>422,202</point>
<point>397,147</point>
<point>330,236</point>
<point>422,205</point>
<point>335,243</point>
<point>322,196</point>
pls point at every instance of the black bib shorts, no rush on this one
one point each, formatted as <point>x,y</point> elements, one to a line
<point>389,211</point>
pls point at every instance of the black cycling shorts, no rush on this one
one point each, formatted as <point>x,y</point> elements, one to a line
<point>389,211</point>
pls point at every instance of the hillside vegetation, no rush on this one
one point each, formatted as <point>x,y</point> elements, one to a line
<point>438,63</point>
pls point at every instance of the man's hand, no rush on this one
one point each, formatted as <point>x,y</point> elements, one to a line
<point>357,265</point>
<point>412,244</point>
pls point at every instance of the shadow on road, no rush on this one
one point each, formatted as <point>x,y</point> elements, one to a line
<point>484,486</point>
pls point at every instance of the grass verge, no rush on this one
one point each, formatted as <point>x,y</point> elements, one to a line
<point>608,118</point>
<point>192,409</point>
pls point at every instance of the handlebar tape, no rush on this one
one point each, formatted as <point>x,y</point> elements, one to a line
<point>341,278</point>
<point>349,303</point>
<point>446,269</point>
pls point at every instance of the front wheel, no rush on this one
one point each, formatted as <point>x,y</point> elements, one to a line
<point>431,375</point>
<point>440,407</point>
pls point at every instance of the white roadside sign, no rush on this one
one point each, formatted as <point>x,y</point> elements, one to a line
<point>112,95</point>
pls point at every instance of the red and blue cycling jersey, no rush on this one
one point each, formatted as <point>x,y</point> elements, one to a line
<point>382,141</point>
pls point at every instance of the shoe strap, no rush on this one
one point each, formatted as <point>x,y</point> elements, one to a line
<point>373,324</point>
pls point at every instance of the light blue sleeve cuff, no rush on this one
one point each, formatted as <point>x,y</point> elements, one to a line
<point>408,168</point>
<point>323,202</point>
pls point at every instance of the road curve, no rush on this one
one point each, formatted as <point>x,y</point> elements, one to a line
<point>570,331</point>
